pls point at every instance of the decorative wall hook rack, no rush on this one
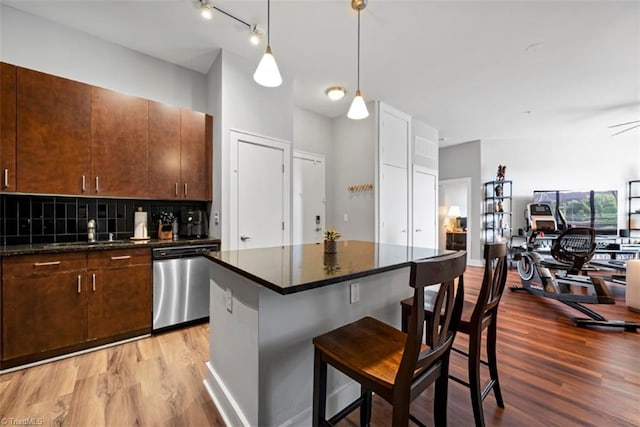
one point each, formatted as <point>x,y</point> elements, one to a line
<point>359,188</point>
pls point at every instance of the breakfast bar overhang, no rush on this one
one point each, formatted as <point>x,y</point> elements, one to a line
<point>266,306</point>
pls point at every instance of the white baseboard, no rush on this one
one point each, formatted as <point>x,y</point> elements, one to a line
<point>224,401</point>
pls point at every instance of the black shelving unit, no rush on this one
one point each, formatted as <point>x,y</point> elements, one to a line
<point>497,210</point>
<point>633,209</point>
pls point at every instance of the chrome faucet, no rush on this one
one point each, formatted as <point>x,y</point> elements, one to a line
<point>91,230</point>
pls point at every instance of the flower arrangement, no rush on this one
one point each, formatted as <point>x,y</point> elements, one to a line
<point>331,234</point>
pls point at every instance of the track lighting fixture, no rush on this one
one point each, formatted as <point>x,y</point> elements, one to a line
<point>267,73</point>
<point>358,109</point>
<point>206,11</point>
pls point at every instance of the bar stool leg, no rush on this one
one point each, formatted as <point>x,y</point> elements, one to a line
<point>493,362</point>
<point>474,377</point>
<point>319,390</point>
<point>365,407</point>
<point>440,396</point>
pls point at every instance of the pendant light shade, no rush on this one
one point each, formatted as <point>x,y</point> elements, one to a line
<point>267,73</point>
<point>358,109</point>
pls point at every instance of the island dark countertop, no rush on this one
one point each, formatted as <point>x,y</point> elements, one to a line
<point>296,268</point>
<point>9,250</point>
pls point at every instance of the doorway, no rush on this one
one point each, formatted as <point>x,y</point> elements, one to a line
<point>454,195</point>
<point>308,197</point>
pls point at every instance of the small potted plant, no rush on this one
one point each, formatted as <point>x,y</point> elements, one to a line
<point>331,237</point>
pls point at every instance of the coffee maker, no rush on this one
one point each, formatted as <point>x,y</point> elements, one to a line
<point>194,224</point>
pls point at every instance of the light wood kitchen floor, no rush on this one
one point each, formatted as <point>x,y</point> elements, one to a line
<point>552,374</point>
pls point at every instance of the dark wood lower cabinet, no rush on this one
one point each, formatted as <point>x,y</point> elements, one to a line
<point>120,297</point>
<point>57,303</point>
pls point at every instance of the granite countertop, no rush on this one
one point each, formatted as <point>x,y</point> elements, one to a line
<point>296,268</point>
<point>36,248</point>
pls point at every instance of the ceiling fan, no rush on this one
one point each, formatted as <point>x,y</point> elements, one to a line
<point>631,125</point>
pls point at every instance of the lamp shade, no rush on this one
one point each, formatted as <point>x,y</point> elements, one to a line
<point>358,109</point>
<point>632,291</point>
<point>454,211</point>
<point>267,73</point>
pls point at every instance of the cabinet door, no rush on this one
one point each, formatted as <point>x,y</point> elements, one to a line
<point>53,129</point>
<point>43,303</point>
<point>119,293</point>
<point>164,151</point>
<point>119,144</point>
<point>196,131</point>
<point>8,127</point>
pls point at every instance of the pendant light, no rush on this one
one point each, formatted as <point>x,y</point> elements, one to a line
<point>358,109</point>
<point>267,73</point>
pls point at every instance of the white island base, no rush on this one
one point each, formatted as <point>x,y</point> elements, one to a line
<point>260,369</point>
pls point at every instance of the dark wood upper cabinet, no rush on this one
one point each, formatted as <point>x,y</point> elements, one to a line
<point>53,129</point>
<point>196,134</point>
<point>7,127</point>
<point>164,151</point>
<point>119,144</point>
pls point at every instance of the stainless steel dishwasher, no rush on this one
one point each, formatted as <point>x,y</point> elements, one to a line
<point>180,285</point>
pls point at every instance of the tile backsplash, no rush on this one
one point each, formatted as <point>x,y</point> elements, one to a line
<point>50,219</point>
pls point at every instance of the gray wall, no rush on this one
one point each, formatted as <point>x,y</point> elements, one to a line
<point>42,45</point>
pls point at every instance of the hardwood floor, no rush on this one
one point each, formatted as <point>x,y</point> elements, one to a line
<point>552,374</point>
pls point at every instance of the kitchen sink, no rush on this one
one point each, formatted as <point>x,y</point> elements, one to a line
<point>86,244</point>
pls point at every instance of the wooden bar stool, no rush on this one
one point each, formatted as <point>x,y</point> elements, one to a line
<point>483,314</point>
<point>395,365</point>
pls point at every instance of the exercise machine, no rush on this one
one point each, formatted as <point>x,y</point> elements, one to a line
<point>568,257</point>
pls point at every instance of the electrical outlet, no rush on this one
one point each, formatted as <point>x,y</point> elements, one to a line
<point>354,292</point>
<point>346,217</point>
<point>228,300</point>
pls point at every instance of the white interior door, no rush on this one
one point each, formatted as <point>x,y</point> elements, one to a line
<point>393,206</point>
<point>308,197</point>
<point>424,209</point>
<point>261,192</point>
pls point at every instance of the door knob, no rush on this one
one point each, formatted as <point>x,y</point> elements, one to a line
<point>318,228</point>
<point>245,238</point>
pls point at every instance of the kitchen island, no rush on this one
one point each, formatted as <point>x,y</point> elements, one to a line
<point>266,306</point>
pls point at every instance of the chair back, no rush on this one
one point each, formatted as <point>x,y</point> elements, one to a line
<point>493,282</point>
<point>575,246</point>
<point>447,310</point>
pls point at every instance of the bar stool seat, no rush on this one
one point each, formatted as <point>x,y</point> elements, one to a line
<point>395,365</point>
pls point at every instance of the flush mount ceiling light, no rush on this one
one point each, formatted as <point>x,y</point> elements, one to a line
<point>336,92</point>
<point>267,73</point>
<point>206,11</point>
<point>358,109</point>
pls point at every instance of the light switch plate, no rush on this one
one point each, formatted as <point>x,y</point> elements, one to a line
<point>228,300</point>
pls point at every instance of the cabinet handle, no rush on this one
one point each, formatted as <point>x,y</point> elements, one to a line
<point>79,283</point>
<point>115,258</point>
<point>176,189</point>
<point>43,264</point>
<point>84,183</point>
<point>93,282</point>
<point>6,178</point>
<point>97,184</point>
<point>186,189</point>
<point>418,230</point>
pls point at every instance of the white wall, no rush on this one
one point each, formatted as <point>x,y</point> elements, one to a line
<point>248,107</point>
<point>39,44</point>
<point>353,163</point>
<point>579,163</point>
<point>313,133</point>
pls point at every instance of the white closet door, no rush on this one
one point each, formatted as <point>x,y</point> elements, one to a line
<point>424,209</point>
<point>308,198</point>
<point>393,206</point>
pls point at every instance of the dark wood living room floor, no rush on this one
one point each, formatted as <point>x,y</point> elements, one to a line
<point>552,374</point>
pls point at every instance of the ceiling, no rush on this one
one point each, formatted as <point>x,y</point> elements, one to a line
<point>472,69</point>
